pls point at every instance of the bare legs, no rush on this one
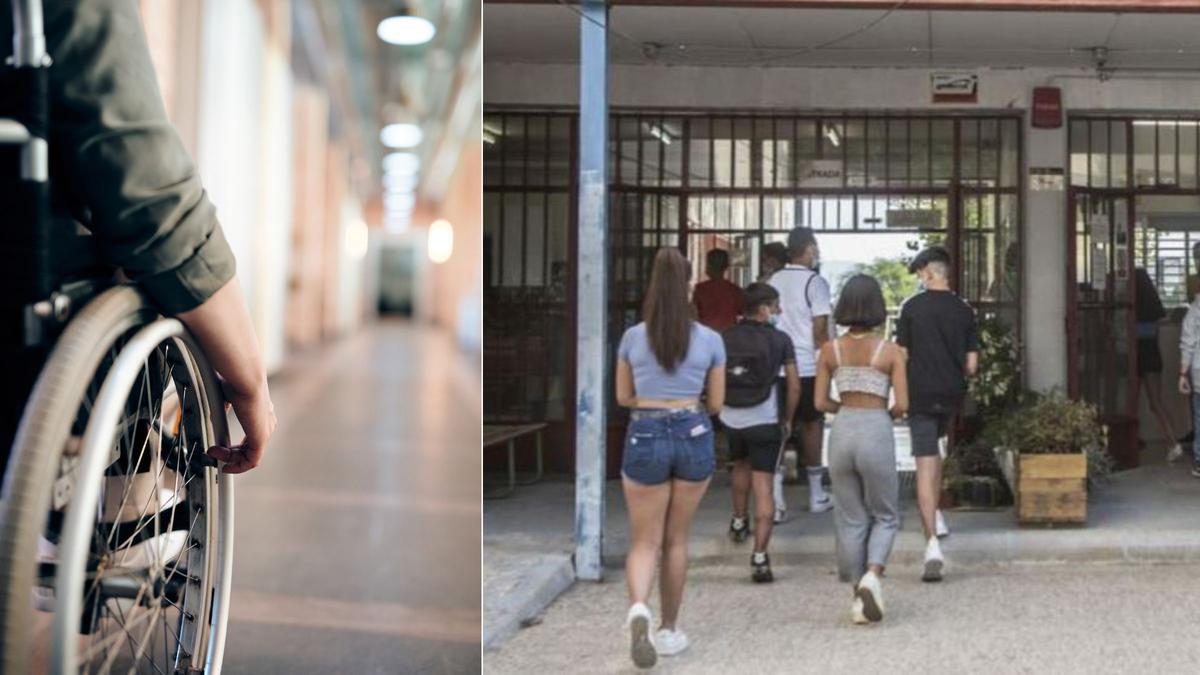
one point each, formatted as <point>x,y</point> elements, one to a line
<point>1152,385</point>
<point>764,509</point>
<point>929,491</point>
<point>812,433</point>
<point>741,487</point>
<point>660,517</point>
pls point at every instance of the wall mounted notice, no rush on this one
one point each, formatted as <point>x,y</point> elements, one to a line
<point>822,173</point>
<point>1046,178</point>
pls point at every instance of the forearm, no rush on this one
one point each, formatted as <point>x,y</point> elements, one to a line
<point>223,327</point>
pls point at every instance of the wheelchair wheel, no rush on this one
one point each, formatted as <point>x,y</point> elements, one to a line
<point>116,530</point>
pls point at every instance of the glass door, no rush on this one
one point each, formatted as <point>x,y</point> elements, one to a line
<point>1102,368</point>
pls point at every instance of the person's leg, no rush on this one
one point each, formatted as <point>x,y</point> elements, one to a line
<point>647,505</point>
<point>881,492</point>
<point>1196,425</point>
<point>925,431</point>
<point>740,481</point>
<point>1152,385</point>
<point>685,497</point>
<point>850,518</point>
<point>764,509</point>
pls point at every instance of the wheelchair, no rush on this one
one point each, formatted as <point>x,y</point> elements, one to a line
<point>116,529</point>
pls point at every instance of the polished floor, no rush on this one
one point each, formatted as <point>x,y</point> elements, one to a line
<point>357,545</point>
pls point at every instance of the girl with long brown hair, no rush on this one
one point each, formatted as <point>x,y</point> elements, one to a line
<point>663,366</point>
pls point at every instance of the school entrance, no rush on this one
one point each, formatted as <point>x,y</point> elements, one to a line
<point>1134,204</point>
<point>732,180</point>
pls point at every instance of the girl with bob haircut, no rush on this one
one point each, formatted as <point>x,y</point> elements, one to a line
<point>862,454</point>
<point>664,364</point>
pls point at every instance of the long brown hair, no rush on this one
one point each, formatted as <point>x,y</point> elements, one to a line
<point>666,310</point>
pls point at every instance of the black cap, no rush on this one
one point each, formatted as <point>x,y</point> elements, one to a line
<point>931,254</point>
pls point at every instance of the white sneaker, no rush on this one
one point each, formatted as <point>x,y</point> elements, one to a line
<point>856,611</point>
<point>1175,453</point>
<point>820,505</point>
<point>670,642</point>
<point>940,527</point>
<point>780,516</point>
<point>933,561</point>
<point>641,646</point>
<point>870,593</point>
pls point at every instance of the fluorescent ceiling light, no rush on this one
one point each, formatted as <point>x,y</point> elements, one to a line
<point>1165,123</point>
<point>399,201</point>
<point>405,30</point>
<point>489,137</point>
<point>832,134</point>
<point>492,129</point>
<point>400,182</point>
<point>401,163</point>
<point>661,134</point>
<point>441,241</point>
<point>401,135</point>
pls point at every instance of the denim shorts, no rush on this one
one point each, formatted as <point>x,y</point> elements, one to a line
<point>665,444</point>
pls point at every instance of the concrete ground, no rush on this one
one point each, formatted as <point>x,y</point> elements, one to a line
<point>1049,618</point>
<point>357,543</point>
<point>1146,515</point>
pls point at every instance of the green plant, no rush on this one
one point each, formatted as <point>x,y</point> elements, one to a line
<point>896,282</point>
<point>1051,423</point>
<point>996,388</point>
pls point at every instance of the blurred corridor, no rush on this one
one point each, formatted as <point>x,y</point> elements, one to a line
<point>357,545</point>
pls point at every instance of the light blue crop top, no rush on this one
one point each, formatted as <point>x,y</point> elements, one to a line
<point>706,350</point>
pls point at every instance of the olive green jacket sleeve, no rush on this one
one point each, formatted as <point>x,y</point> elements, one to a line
<point>123,158</point>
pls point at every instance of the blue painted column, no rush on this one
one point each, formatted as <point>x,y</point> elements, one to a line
<point>592,288</point>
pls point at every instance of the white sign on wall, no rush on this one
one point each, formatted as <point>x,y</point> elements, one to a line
<point>822,173</point>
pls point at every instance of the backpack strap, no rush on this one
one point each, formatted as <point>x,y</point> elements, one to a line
<point>807,284</point>
<point>837,353</point>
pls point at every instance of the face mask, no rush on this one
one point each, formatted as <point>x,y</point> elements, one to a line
<point>773,319</point>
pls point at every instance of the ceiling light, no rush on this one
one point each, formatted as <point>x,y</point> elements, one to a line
<point>489,138</point>
<point>492,129</point>
<point>401,163</point>
<point>405,30</point>
<point>832,134</point>
<point>661,134</point>
<point>401,135</point>
<point>399,182</point>
<point>1165,123</point>
<point>398,201</point>
<point>441,241</point>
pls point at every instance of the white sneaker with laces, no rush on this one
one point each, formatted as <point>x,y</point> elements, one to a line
<point>934,561</point>
<point>670,642</point>
<point>870,593</point>
<point>856,611</point>
<point>641,645</point>
<point>940,527</point>
<point>825,503</point>
<point>1175,453</point>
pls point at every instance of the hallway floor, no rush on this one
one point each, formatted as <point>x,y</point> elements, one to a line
<point>357,544</point>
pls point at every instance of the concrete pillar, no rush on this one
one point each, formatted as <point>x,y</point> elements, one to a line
<point>592,383</point>
<point>1045,242</point>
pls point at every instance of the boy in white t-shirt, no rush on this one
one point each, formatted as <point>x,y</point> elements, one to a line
<point>805,300</point>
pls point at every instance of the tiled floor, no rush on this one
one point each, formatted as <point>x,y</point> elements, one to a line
<point>357,546</point>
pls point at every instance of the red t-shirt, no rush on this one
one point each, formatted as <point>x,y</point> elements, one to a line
<point>718,303</point>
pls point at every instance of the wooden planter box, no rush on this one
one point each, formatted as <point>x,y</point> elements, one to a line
<point>1051,488</point>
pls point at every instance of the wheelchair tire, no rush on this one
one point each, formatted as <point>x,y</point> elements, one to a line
<point>83,361</point>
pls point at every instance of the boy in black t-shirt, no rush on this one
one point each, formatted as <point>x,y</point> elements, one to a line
<point>938,331</point>
<point>756,352</point>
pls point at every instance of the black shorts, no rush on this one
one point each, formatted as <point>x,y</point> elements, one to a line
<point>760,444</point>
<point>926,429</point>
<point>1149,357</point>
<point>807,411</point>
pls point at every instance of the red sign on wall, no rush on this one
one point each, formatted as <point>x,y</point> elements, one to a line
<point>1047,108</point>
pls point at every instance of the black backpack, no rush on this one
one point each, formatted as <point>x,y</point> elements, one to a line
<point>750,371</point>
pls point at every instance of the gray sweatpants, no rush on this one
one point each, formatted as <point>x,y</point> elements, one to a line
<point>866,489</point>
